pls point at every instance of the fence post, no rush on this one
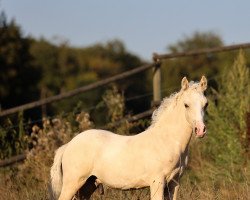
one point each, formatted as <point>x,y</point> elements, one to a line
<point>156,81</point>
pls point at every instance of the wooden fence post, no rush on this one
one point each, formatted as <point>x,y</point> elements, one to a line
<point>156,81</point>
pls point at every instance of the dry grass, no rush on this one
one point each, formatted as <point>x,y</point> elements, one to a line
<point>211,190</point>
<point>30,179</point>
<point>202,180</point>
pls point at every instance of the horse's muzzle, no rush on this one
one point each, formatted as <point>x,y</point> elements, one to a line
<point>200,129</point>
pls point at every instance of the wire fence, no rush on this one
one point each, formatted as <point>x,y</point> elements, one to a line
<point>76,91</point>
<point>92,108</point>
<point>87,109</point>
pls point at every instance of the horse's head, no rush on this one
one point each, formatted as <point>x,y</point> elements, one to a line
<point>194,103</point>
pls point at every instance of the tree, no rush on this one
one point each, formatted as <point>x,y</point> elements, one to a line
<point>64,68</point>
<point>18,83</point>
<point>192,67</point>
<point>18,78</point>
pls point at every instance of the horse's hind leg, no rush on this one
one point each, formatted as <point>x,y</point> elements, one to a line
<point>171,190</point>
<point>70,187</point>
<point>88,188</point>
<point>176,192</point>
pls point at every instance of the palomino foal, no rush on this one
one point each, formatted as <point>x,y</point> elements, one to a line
<point>153,158</point>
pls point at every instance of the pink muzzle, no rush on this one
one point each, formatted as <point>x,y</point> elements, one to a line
<point>200,129</point>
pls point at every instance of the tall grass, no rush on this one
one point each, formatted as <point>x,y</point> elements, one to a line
<point>219,167</point>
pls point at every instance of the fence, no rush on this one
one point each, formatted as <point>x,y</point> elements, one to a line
<point>156,65</point>
<point>156,77</point>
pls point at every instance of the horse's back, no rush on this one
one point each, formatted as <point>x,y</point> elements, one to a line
<point>88,145</point>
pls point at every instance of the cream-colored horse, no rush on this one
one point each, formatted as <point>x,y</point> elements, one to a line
<point>152,158</point>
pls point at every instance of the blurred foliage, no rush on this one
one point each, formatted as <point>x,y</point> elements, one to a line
<point>115,104</point>
<point>227,116</point>
<point>30,179</point>
<point>12,139</point>
<point>222,157</point>
<point>65,68</point>
<point>211,65</point>
<point>33,69</point>
<point>18,78</point>
<point>192,67</point>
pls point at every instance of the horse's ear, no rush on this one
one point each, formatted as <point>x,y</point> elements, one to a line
<point>184,83</point>
<point>203,83</point>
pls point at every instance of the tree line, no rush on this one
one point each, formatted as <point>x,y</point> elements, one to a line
<point>33,69</point>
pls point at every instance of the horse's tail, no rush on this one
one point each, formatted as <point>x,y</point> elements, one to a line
<point>56,173</point>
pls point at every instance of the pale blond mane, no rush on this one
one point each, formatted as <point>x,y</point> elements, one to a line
<point>167,102</point>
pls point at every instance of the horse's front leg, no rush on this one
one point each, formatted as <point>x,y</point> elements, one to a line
<point>157,189</point>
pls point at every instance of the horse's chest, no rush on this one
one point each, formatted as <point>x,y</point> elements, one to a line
<point>177,167</point>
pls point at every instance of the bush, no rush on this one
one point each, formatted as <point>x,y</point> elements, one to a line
<point>227,112</point>
<point>30,179</point>
<point>11,138</point>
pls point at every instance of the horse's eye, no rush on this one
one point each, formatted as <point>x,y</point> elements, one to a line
<point>206,105</point>
<point>186,106</point>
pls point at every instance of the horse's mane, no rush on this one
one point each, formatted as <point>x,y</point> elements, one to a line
<point>167,101</point>
<point>165,104</point>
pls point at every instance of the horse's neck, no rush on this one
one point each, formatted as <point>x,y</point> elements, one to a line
<point>173,128</point>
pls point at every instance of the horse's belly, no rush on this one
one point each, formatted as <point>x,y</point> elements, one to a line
<point>120,172</point>
<point>116,181</point>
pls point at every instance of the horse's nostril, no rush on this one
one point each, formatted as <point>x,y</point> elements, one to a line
<point>195,129</point>
<point>204,130</point>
